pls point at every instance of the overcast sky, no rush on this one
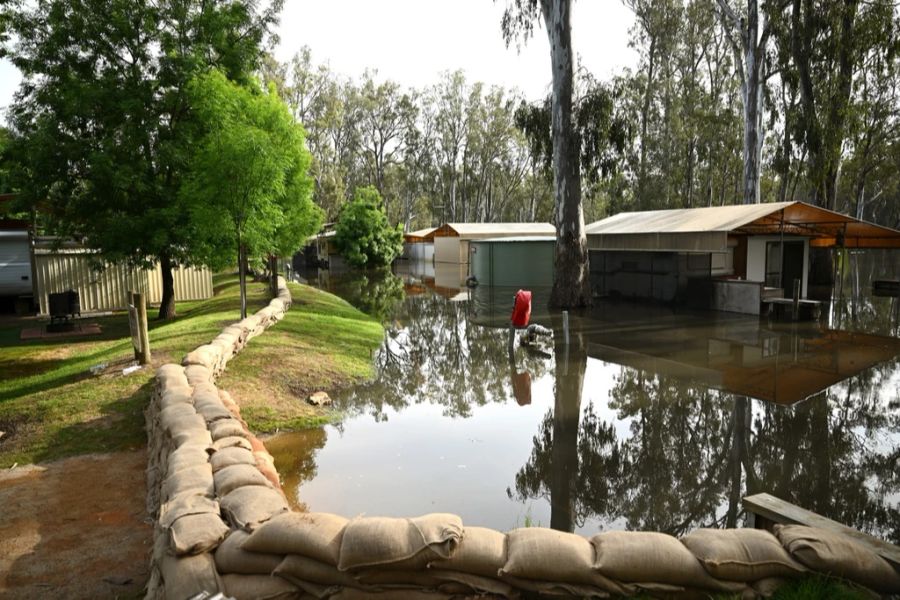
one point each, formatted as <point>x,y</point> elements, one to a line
<point>412,41</point>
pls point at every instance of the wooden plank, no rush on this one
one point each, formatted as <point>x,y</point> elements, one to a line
<point>775,510</point>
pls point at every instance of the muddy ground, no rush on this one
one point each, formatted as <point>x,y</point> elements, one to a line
<point>75,528</point>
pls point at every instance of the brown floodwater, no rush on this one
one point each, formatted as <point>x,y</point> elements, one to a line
<point>649,418</point>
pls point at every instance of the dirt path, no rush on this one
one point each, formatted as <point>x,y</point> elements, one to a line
<point>75,528</point>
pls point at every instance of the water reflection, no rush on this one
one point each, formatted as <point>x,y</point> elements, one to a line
<point>648,419</point>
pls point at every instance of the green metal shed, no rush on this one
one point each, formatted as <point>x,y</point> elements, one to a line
<point>512,261</point>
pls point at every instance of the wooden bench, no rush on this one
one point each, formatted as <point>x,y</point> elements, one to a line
<point>765,510</point>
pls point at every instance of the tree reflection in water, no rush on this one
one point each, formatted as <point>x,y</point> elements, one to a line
<point>689,453</point>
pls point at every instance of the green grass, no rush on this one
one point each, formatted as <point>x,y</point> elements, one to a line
<point>51,405</point>
<point>816,587</point>
<point>322,343</point>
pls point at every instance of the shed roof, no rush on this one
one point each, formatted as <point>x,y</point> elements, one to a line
<point>706,229</point>
<point>419,235</point>
<point>493,230</point>
<point>526,239</point>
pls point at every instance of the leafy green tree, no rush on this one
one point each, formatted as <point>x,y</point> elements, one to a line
<point>102,122</point>
<point>363,234</point>
<point>248,187</point>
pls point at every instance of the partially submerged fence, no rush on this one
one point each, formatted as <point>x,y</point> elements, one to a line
<point>223,524</point>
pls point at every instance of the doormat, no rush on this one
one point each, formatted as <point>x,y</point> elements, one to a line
<point>79,329</point>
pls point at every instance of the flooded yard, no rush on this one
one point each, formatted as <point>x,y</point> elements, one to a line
<point>648,419</point>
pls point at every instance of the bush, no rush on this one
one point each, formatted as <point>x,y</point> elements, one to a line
<point>363,235</point>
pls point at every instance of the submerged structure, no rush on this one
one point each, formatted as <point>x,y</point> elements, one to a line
<point>451,240</point>
<point>731,258</point>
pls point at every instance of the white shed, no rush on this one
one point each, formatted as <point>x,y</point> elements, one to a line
<point>451,240</point>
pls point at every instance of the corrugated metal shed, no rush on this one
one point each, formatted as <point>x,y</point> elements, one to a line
<point>102,286</point>
<point>474,231</point>
<point>706,229</point>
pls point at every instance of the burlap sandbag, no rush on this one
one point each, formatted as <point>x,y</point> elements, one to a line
<point>186,504</point>
<point>231,558</point>
<point>248,506</point>
<point>650,557</point>
<point>214,412</point>
<point>549,556</point>
<point>187,576</point>
<point>232,455</point>
<point>314,535</point>
<point>235,476</point>
<point>231,441</point>
<point>170,376</point>
<point>171,415</point>
<point>197,374</point>
<point>399,543</point>
<point>837,554</point>
<point>175,396</point>
<point>396,578</point>
<point>299,568</point>
<point>259,587</point>
<point>206,355</point>
<point>204,393</point>
<point>196,533</point>
<point>194,437</point>
<point>226,428</point>
<point>182,424</point>
<point>355,594</point>
<point>270,473</point>
<point>741,554</point>
<point>474,584</point>
<point>197,479</point>
<point>186,456</point>
<point>481,551</point>
<point>561,589</point>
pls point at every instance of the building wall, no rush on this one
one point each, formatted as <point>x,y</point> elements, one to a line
<point>106,288</point>
<point>512,263</point>
<point>446,250</point>
<point>420,251</point>
<point>756,259</point>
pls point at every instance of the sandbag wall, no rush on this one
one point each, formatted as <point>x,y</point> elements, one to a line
<point>223,525</point>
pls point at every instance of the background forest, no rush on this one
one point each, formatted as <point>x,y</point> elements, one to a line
<point>668,134</point>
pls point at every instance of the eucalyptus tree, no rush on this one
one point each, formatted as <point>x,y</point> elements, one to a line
<point>571,281</point>
<point>103,124</point>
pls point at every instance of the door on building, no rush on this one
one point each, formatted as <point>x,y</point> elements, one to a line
<point>784,264</point>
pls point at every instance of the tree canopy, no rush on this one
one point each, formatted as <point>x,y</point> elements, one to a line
<point>247,187</point>
<point>363,234</point>
<point>102,122</point>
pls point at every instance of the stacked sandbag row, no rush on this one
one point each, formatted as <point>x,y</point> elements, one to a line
<point>434,556</point>
<point>215,355</point>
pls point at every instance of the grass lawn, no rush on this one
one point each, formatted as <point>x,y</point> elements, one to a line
<point>52,406</point>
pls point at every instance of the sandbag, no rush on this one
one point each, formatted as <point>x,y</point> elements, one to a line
<point>355,594</point>
<point>380,577</point>
<point>564,589</point>
<point>193,437</point>
<point>741,554</point>
<point>185,423</point>
<point>314,535</point>
<point>296,568</point>
<point>232,441</point>
<point>187,576</point>
<point>476,584</point>
<point>549,556</point>
<point>269,472</point>
<point>226,428</point>
<point>172,414</point>
<point>186,504</point>
<point>837,554</point>
<point>399,543</point>
<point>650,557</point>
<point>186,456</point>
<point>193,479</point>
<point>196,533</point>
<point>205,393</point>
<point>231,558</point>
<point>259,587</point>
<point>481,551</point>
<point>248,506</point>
<point>232,455</point>
<point>235,476</point>
<point>197,374</point>
<point>214,412</point>
<point>175,396</point>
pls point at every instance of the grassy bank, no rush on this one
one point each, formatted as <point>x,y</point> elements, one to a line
<point>52,405</point>
<point>323,343</point>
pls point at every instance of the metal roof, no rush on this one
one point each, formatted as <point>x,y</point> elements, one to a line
<point>706,229</point>
<point>489,230</point>
<point>419,235</point>
<point>537,238</point>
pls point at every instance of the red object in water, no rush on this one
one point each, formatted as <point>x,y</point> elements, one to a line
<point>521,309</point>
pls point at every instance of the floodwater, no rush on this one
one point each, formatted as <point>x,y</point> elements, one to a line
<point>648,419</point>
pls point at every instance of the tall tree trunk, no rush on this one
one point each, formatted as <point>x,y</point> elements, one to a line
<point>645,117</point>
<point>571,285</point>
<point>167,303</point>
<point>273,275</point>
<point>242,276</point>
